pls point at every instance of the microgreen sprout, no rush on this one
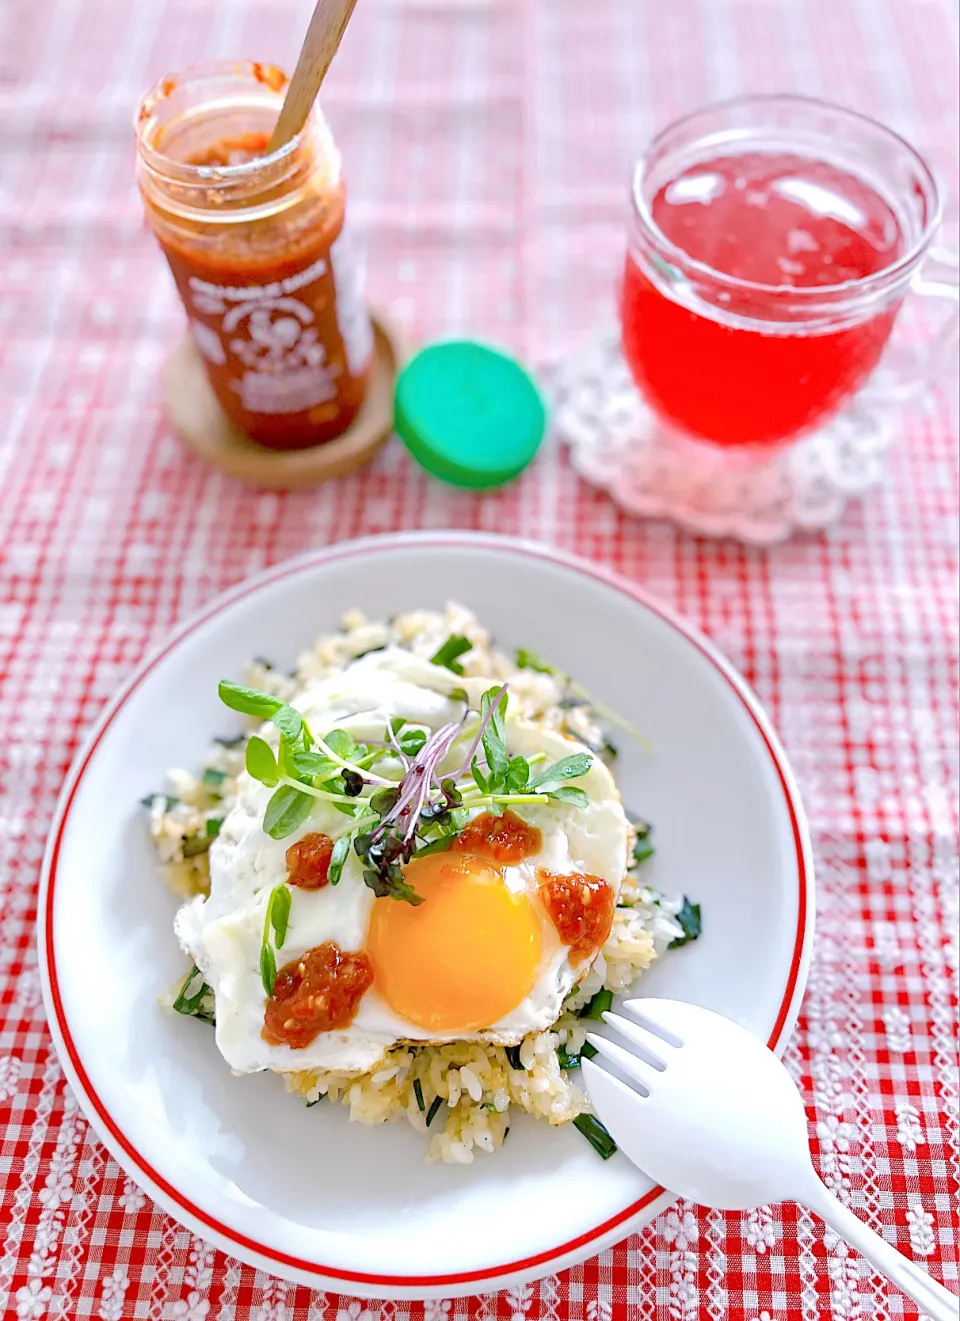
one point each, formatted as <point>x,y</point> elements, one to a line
<point>338,857</point>
<point>394,821</point>
<point>275,921</point>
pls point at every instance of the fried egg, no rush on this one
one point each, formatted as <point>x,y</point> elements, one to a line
<point>478,960</point>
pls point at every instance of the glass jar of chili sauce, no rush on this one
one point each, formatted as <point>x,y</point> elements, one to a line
<point>268,276</point>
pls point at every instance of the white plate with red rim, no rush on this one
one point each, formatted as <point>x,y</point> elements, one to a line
<point>303,1193</point>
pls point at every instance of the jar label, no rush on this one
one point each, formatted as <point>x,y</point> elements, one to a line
<point>284,347</point>
<point>272,337</point>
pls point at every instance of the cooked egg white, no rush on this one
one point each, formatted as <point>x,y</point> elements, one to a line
<point>223,932</point>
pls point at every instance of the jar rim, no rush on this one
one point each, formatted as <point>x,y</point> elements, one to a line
<point>878,280</point>
<point>210,175</point>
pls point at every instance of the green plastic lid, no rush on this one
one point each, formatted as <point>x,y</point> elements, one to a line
<point>469,414</point>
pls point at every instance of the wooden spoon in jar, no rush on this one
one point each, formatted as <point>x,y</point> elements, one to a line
<point>327,26</point>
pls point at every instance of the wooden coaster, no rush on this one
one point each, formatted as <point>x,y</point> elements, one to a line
<point>199,420</point>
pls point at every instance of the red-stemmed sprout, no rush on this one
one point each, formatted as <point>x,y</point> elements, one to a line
<point>484,723</point>
<point>416,784</point>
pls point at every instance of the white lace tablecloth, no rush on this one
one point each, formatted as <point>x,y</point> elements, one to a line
<point>488,145</point>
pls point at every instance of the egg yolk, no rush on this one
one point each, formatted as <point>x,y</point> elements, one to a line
<point>463,958</point>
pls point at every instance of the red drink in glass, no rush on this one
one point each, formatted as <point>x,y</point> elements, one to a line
<point>772,245</point>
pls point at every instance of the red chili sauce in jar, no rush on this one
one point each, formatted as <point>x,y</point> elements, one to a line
<point>581,908</point>
<point>319,992</point>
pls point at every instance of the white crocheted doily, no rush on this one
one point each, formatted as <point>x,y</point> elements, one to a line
<point>617,444</point>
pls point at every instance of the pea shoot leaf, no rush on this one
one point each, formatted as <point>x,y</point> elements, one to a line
<point>268,968</point>
<point>566,793</point>
<point>278,913</point>
<point>287,809</point>
<point>340,742</point>
<point>338,858</point>
<point>289,722</point>
<point>494,736</point>
<point>249,701</point>
<point>260,761</point>
<point>568,768</point>
<point>314,764</point>
<point>285,759</point>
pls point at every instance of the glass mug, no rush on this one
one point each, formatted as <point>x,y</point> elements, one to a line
<point>772,242</point>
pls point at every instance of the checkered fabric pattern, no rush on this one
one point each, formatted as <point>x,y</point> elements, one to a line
<point>487,144</point>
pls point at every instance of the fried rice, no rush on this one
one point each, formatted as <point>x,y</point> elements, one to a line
<point>460,1094</point>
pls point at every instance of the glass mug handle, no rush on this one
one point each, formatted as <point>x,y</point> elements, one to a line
<point>902,376</point>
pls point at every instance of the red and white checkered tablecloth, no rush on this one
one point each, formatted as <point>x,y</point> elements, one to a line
<point>487,144</point>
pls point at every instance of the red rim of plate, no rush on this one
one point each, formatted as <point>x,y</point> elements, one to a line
<point>348,550</point>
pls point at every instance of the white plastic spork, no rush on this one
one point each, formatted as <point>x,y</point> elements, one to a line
<point>712,1114</point>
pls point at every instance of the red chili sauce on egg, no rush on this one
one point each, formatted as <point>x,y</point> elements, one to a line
<point>308,861</point>
<point>580,907</point>
<point>505,839</point>
<point>319,992</point>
